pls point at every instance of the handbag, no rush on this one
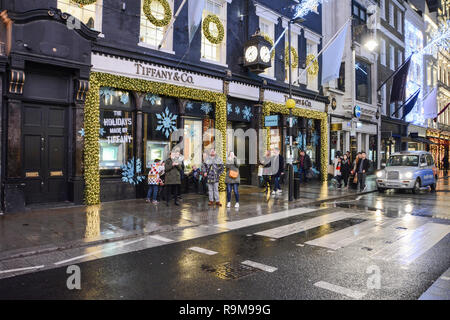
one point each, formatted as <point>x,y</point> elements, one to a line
<point>233,174</point>
<point>355,179</point>
<point>309,174</point>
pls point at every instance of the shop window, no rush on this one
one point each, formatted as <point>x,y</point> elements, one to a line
<point>210,52</point>
<point>311,48</point>
<point>363,74</point>
<point>341,79</point>
<point>192,143</point>
<point>151,35</point>
<point>294,44</point>
<point>90,15</point>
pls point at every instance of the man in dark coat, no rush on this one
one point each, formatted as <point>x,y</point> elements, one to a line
<point>304,165</point>
<point>172,168</point>
<point>279,167</point>
<point>361,170</point>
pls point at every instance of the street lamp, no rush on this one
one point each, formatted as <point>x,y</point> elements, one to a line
<point>290,104</point>
<point>371,44</point>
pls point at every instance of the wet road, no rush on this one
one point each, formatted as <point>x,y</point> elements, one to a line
<point>376,246</point>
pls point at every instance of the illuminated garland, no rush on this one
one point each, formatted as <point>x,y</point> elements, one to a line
<point>270,107</point>
<point>92,120</point>
<point>294,58</point>
<point>212,18</point>
<point>313,69</point>
<point>84,2</point>
<point>269,39</point>
<point>167,13</point>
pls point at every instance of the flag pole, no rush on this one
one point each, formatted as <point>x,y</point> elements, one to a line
<point>172,21</point>
<point>327,45</point>
<point>406,102</point>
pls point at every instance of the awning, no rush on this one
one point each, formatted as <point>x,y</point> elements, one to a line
<point>417,139</point>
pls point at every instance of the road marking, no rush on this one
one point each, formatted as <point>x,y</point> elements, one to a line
<point>263,219</point>
<point>259,266</point>
<point>415,243</point>
<point>341,290</point>
<point>205,251</point>
<point>347,236</point>
<point>160,238</point>
<point>445,278</point>
<point>96,252</point>
<point>21,269</point>
<point>297,227</point>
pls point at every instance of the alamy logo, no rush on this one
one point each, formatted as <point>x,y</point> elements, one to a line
<point>74,280</point>
<point>374,280</point>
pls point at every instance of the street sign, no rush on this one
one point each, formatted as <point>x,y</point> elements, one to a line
<point>357,111</point>
<point>271,121</point>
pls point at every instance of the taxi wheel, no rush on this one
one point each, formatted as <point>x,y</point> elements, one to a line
<point>381,190</point>
<point>433,187</point>
<point>416,188</point>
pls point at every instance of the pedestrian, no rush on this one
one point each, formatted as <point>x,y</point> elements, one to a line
<point>445,164</point>
<point>337,172</point>
<point>349,156</point>
<point>232,179</point>
<point>212,169</point>
<point>278,170</point>
<point>267,171</point>
<point>304,165</point>
<point>193,177</point>
<point>154,180</point>
<point>362,168</point>
<point>172,181</point>
<point>345,169</point>
<point>354,170</point>
<point>180,159</point>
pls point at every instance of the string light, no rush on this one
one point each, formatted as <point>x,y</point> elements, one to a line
<point>302,9</point>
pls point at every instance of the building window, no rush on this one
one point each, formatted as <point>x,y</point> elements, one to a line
<point>383,52</point>
<point>267,28</point>
<point>400,58</point>
<point>391,14</point>
<point>90,15</point>
<point>382,9</point>
<point>341,79</point>
<point>362,76</point>
<point>151,35</point>
<point>399,21</point>
<point>383,100</point>
<point>294,44</point>
<point>392,57</point>
<point>209,51</point>
<point>312,81</point>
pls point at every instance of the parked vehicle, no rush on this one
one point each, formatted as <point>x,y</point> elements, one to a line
<point>411,170</point>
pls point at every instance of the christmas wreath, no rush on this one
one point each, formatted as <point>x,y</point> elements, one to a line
<point>294,57</point>
<point>167,13</point>
<point>269,39</point>
<point>211,18</point>
<point>313,69</point>
<point>84,2</point>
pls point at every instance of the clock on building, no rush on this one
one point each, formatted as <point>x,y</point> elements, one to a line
<point>257,53</point>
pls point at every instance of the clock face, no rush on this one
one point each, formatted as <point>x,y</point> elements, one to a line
<point>251,54</point>
<point>265,54</point>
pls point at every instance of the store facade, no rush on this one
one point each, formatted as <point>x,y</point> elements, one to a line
<point>392,132</point>
<point>440,146</point>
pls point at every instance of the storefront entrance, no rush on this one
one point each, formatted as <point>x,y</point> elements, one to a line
<point>44,153</point>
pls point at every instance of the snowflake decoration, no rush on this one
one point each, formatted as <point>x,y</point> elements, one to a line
<point>441,40</point>
<point>192,132</point>
<point>124,98</point>
<point>247,113</point>
<point>206,107</point>
<point>131,173</point>
<point>229,108</point>
<point>153,98</point>
<point>189,106</point>
<point>107,93</point>
<point>101,132</point>
<point>166,122</point>
<point>237,110</point>
<point>300,140</point>
<point>294,121</point>
<point>81,132</point>
<point>306,7</point>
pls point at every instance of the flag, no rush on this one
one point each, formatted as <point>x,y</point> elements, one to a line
<point>332,56</point>
<point>195,11</point>
<point>398,91</point>
<point>430,105</point>
<point>408,106</point>
<point>441,112</point>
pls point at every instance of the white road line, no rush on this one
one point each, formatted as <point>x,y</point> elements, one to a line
<point>21,269</point>
<point>445,278</point>
<point>263,219</point>
<point>160,238</point>
<point>297,227</point>
<point>341,290</point>
<point>259,266</point>
<point>347,236</point>
<point>205,251</point>
<point>414,244</point>
<point>97,251</point>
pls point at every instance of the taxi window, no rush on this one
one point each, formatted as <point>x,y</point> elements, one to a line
<point>430,160</point>
<point>423,159</point>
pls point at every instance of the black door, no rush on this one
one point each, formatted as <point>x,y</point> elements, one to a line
<point>44,153</point>
<point>244,167</point>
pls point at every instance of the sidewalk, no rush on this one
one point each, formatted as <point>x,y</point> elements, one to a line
<point>47,230</point>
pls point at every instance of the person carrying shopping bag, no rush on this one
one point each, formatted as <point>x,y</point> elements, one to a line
<point>212,169</point>
<point>337,172</point>
<point>232,179</point>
